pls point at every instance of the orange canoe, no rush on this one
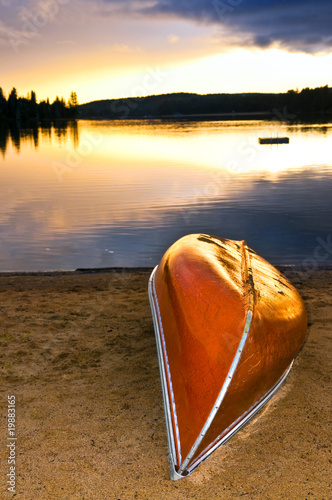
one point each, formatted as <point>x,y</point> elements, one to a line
<point>228,326</point>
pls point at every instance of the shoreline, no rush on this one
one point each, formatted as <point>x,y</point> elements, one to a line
<point>99,270</point>
<point>79,271</point>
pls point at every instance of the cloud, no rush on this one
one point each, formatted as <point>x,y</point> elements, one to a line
<point>12,37</point>
<point>22,21</point>
<point>123,48</point>
<point>173,38</point>
<point>303,25</point>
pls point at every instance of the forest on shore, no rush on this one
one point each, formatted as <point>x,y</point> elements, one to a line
<point>27,112</point>
<point>290,105</point>
<point>23,112</point>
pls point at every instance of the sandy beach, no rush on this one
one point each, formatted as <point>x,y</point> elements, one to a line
<point>78,353</point>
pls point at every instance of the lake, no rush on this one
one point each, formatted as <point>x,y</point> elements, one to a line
<point>119,193</point>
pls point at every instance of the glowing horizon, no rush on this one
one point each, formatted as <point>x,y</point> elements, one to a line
<point>109,49</point>
<point>156,80</point>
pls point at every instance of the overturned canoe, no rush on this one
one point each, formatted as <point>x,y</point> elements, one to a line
<point>228,326</point>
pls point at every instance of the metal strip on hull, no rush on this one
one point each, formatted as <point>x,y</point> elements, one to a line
<point>164,385</point>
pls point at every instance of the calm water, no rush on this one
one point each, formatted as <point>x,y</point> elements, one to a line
<point>104,194</point>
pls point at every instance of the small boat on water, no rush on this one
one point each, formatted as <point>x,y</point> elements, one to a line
<point>228,326</point>
<point>273,140</point>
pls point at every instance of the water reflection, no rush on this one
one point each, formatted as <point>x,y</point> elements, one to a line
<point>4,133</point>
<point>98,194</point>
<point>11,134</point>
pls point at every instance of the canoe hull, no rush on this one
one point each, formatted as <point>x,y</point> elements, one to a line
<point>228,326</point>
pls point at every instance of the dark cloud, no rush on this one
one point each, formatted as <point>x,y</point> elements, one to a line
<point>303,25</point>
<point>296,24</point>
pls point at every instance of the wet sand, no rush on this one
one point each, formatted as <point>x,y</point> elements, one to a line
<point>78,353</point>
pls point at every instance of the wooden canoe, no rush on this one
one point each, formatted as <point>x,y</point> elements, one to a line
<point>228,326</point>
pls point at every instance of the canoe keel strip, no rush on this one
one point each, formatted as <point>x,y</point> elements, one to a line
<point>233,380</point>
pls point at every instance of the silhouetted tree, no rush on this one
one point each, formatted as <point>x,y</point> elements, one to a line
<point>12,105</point>
<point>73,105</point>
<point>33,108</point>
<point>58,108</point>
<point>3,106</point>
<point>27,112</point>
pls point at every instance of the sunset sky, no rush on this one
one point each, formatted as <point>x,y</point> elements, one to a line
<point>118,48</point>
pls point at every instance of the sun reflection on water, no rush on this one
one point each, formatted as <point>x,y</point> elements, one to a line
<point>98,183</point>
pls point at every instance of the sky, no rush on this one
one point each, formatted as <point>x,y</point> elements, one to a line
<point>105,49</point>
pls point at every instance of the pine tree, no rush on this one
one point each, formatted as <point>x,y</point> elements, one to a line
<point>3,106</point>
<point>12,105</point>
<point>73,104</point>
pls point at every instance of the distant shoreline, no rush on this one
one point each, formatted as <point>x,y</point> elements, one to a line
<point>285,107</point>
<point>236,116</point>
<point>320,118</point>
<point>20,112</point>
<point>250,115</point>
<point>131,270</point>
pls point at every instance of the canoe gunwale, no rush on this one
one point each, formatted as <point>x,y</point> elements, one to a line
<point>173,456</point>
